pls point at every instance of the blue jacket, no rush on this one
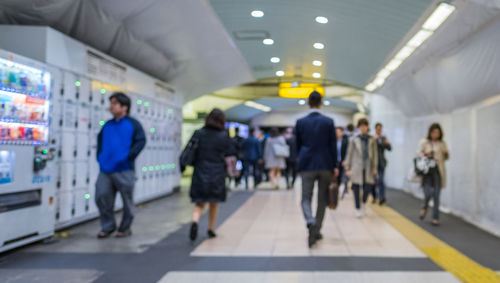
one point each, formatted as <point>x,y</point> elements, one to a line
<point>118,144</point>
<point>316,143</point>
<point>252,149</point>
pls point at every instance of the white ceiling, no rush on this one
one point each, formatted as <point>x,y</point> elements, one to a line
<point>178,41</point>
<point>359,36</point>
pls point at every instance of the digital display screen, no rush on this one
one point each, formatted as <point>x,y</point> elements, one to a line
<point>243,129</point>
<point>7,161</point>
<point>24,104</point>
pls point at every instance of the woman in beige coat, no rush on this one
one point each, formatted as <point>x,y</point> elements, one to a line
<point>435,148</point>
<point>362,163</point>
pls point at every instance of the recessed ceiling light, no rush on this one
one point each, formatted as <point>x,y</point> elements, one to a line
<point>302,102</point>
<point>280,73</point>
<point>322,20</point>
<point>318,45</point>
<point>275,59</point>
<point>258,106</point>
<point>371,87</point>
<point>442,12</point>
<point>317,63</point>
<point>268,41</point>
<point>326,102</point>
<point>316,75</point>
<point>257,14</point>
<point>419,38</point>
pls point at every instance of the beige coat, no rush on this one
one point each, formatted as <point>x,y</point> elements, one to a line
<point>440,155</point>
<point>354,160</point>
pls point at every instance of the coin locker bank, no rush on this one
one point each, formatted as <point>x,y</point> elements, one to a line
<point>54,95</point>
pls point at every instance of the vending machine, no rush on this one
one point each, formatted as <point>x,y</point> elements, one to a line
<point>26,170</point>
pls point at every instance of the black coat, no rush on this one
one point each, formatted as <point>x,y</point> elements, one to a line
<point>208,182</point>
<point>343,147</point>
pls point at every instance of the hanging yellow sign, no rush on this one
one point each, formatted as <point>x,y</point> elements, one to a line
<point>299,90</point>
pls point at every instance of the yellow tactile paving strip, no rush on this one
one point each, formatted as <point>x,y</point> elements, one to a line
<point>451,260</point>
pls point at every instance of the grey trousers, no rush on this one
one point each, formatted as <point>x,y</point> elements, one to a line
<point>324,179</point>
<point>107,186</point>
<point>432,190</point>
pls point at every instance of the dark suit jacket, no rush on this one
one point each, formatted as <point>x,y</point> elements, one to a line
<point>343,147</point>
<point>316,143</point>
<point>252,149</point>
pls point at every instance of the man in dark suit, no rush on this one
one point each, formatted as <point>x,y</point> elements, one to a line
<point>383,144</point>
<point>317,161</point>
<point>251,155</point>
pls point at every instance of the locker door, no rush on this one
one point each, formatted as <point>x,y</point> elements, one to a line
<point>70,88</point>
<point>84,90</point>
<point>80,202</point>
<point>68,178</point>
<point>65,200</point>
<point>82,174</point>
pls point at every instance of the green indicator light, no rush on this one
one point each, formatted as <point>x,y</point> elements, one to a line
<point>77,83</point>
<point>101,123</point>
<point>87,196</point>
<point>157,167</point>
<point>38,160</point>
<point>45,151</point>
<point>103,91</point>
<point>170,111</point>
<point>173,165</point>
<point>163,167</point>
<point>139,102</point>
<point>151,168</point>
<point>152,130</point>
<point>144,169</point>
<point>146,104</point>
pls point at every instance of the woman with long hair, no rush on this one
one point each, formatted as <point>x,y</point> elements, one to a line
<point>208,182</point>
<point>434,148</point>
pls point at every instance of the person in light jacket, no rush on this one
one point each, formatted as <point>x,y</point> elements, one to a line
<point>361,164</point>
<point>273,162</point>
<point>433,147</point>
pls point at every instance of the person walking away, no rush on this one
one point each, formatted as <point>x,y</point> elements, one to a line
<point>316,162</point>
<point>361,164</point>
<point>208,185</point>
<point>238,143</point>
<point>291,161</point>
<point>274,162</point>
<point>383,144</point>
<point>342,144</point>
<point>435,148</point>
<point>119,142</point>
<point>251,158</point>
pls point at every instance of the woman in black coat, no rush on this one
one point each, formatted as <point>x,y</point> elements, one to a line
<point>208,183</point>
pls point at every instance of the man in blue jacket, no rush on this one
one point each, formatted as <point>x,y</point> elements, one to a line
<point>119,142</point>
<point>251,156</point>
<point>317,161</point>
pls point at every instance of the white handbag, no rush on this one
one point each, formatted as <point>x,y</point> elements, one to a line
<point>281,150</point>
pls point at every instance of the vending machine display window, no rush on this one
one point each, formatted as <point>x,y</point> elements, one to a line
<point>7,160</point>
<point>24,104</point>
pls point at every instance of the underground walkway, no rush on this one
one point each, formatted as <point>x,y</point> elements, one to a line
<point>262,238</point>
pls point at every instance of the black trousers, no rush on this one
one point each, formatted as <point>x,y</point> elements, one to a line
<point>291,168</point>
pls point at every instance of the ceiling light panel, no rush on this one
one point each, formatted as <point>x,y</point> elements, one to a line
<point>258,106</point>
<point>442,12</point>
<point>319,45</point>
<point>321,20</point>
<point>316,75</point>
<point>419,38</point>
<point>317,63</point>
<point>257,14</point>
<point>280,73</point>
<point>275,60</point>
<point>268,41</point>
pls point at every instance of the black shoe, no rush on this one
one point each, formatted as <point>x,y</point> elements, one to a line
<point>423,212</point>
<point>211,234</point>
<point>312,236</point>
<point>194,231</point>
<point>124,234</point>
<point>319,236</point>
<point>105,234</point>
<point>374,201</point>
<point>382,201</point>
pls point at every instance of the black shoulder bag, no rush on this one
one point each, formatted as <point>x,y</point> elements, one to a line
<point>188,156</point>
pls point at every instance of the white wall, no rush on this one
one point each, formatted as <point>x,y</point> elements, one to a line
<point>472,135</point>
<point>288,118</point>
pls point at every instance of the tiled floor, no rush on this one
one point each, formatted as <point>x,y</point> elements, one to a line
<point>271,224</point>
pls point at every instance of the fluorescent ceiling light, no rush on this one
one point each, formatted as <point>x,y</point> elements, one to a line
<point>275,60</point>
<point>280,73</point>
<point>322,20</point>
<point>316,75</point>
<point>317,63</point>
<point>405,52</point>
<point>257,14</point>
<point>258,106</point>
<point>318,45</point>
<point>268,41</point>
<point>379,82</point>
<point>371,87</point>
<point>442,12</point>
<point>384,73</point>
<point>302,102</point>
<point>326,102</point>
<point>393,64</point>
<point>361,108</point>
<point>419,38</point>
